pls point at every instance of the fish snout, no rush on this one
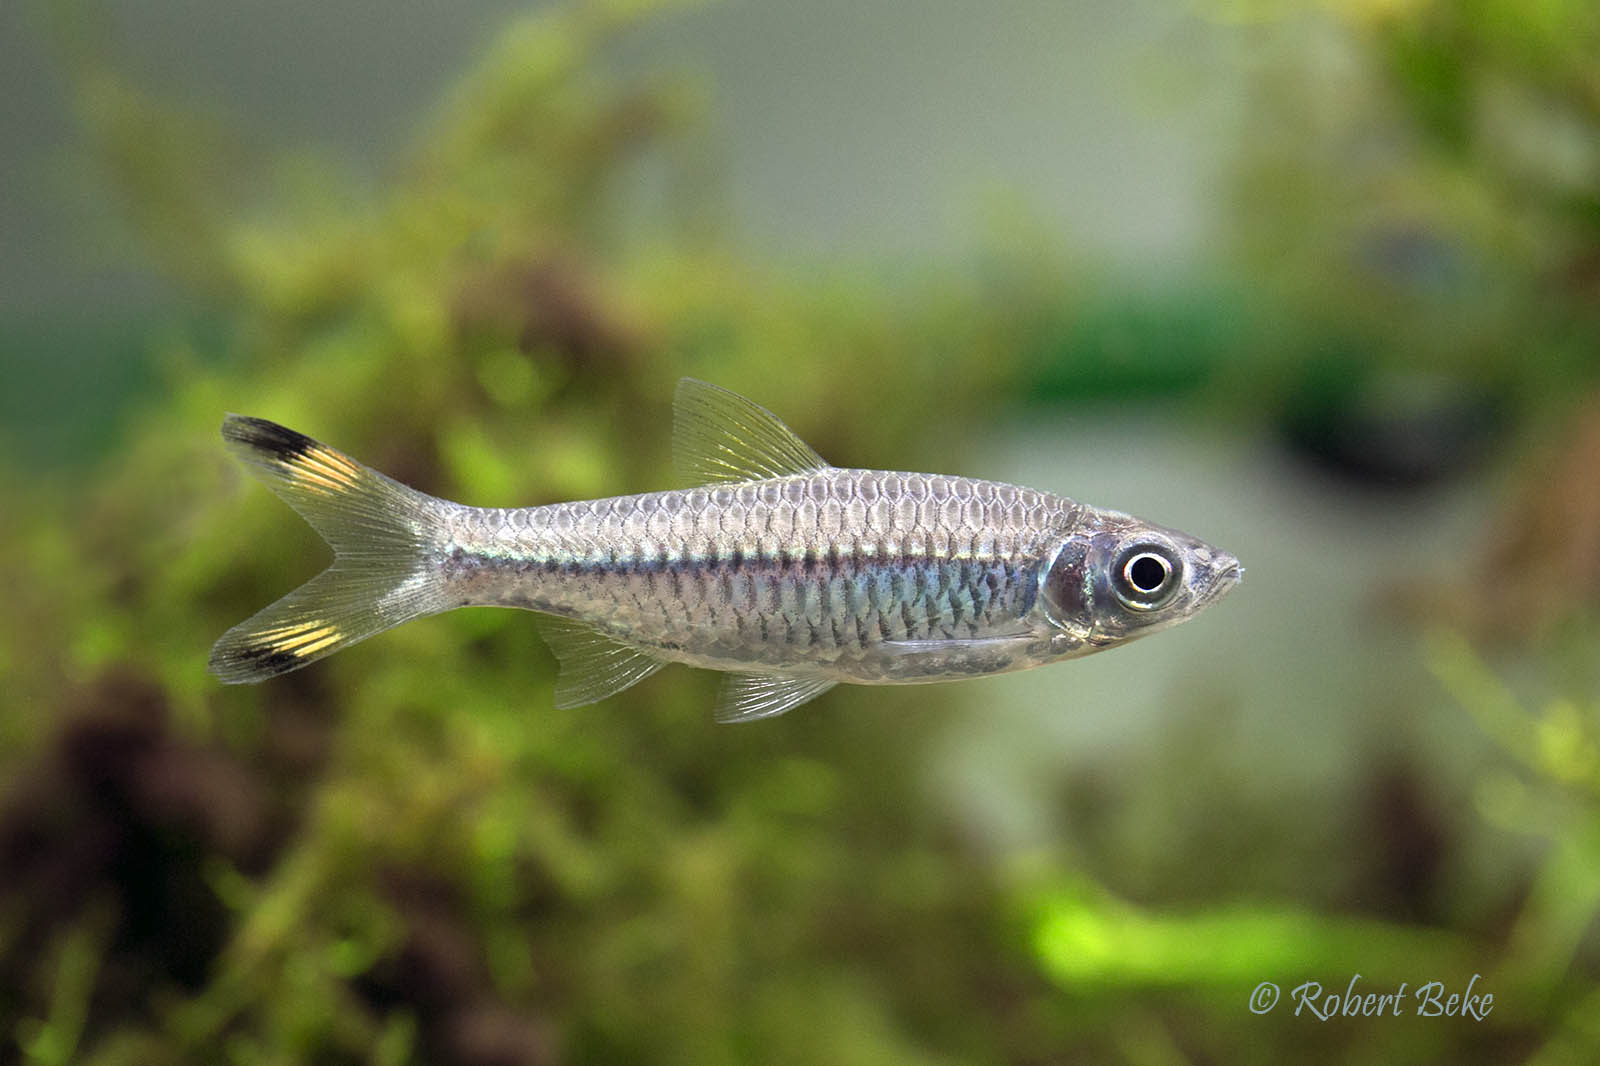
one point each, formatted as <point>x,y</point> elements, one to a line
<point>1223,574</point>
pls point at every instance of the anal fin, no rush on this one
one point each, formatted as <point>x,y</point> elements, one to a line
<point>593,665</point>
<point>748,697</point>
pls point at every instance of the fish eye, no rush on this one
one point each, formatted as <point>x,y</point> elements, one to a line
<point>1145,578</point>
<point>1147,573</point>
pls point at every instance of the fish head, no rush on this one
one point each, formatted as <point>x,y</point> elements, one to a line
<point>1115,577</point>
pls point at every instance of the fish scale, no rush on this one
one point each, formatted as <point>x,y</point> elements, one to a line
<point>840,561</point>
<point>788,574</point>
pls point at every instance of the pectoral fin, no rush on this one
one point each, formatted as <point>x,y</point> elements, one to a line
<point>593,665</point>
<point>747,697</point>
<point>964,657</point>
<point>959,645</point>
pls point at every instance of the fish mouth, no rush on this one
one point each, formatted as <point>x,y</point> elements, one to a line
<point>1225,575</point>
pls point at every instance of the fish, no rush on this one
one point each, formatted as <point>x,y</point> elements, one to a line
<point>787,574</point>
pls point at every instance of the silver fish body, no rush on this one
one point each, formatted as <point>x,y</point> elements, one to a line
<point>789,574</point>
<point>843,574</point>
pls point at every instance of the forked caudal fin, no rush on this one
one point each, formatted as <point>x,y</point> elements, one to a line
<point>381,533</point>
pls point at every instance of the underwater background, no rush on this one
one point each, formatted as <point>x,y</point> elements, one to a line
<point>1318,282</point>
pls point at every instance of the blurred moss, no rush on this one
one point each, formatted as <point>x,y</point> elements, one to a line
<point>433,864</point>
<point>1553,797</point>
<point>1423,176</point>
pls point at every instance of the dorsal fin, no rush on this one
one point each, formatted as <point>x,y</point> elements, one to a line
<point>719,436</point>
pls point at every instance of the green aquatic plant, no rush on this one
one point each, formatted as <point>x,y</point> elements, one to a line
<point>1550,792</point>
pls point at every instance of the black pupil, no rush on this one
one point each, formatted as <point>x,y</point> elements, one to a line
<point>1147,573</point>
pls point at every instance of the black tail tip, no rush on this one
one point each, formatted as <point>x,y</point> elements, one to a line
<point>266,437</point>
<point>238,663</point>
